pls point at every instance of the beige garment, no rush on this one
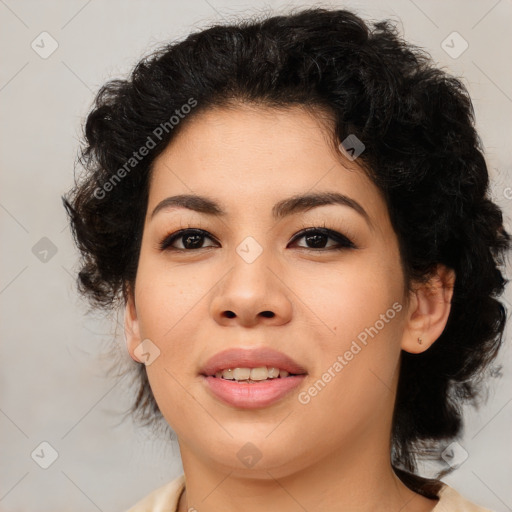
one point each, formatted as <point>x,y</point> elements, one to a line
<point>165,499</point>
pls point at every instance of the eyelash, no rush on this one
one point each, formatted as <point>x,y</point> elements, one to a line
<point>342,241</point>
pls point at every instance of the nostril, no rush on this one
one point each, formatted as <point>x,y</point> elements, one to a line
<point>229,314</point>
<point>267,314</point>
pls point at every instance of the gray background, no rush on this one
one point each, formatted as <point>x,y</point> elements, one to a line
<point>52,384</point>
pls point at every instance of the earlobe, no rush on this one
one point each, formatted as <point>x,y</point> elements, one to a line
<point>131,327</point>
<point>429,309</point>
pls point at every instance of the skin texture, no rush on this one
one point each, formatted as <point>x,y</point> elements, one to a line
<point>333,452</point>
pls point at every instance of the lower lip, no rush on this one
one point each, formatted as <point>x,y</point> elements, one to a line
<point>252,396</point>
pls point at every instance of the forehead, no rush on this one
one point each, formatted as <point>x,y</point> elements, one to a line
<point>252,155</point>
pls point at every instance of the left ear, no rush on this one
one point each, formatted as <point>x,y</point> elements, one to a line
<point>428,311</point>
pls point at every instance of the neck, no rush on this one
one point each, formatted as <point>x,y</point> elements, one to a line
<point>355,479</point>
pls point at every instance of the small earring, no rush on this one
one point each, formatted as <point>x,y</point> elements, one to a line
<point>420,340</point>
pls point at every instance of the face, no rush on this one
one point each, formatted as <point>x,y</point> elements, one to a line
<point>331,299</point>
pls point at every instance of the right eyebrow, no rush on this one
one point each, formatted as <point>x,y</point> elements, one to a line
<point>191,202</point>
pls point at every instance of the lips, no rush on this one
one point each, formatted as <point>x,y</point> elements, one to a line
<point>251,394</point>
<point>251,358</point>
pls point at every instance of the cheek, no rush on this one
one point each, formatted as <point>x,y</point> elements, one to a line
<point>165,297</point>
<point>167,313</point>
<point>360,310</point>
<point>351,298</point>
<point>165,307</point>
<point>356,350</point>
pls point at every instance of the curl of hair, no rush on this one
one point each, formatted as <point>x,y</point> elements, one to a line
<point>421,150</point>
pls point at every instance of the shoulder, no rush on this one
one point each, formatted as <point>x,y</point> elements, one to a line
<point>165,499</point>
<point>162,499</point>
<point>451,501</point>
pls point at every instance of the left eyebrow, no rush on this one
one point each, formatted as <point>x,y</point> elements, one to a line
<point>289,206</point>
<point>301,203</point>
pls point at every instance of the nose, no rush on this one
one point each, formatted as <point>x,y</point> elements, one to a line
<point>252,293</point>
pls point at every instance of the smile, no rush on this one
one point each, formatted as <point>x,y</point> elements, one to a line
<point>251,374</point>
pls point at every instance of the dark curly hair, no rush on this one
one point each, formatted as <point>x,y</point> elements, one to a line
<point>421,150</point>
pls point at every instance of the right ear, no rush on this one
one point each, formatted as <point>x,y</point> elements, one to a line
<point>131,326</point>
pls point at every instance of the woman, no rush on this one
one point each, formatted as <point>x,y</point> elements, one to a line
<point>294,214</point>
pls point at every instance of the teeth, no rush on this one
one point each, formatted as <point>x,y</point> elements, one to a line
<point>251,374</point>
<point>241,373</point>
<point>273,373</point>
<point>228,374</point>
<point>259,373</point>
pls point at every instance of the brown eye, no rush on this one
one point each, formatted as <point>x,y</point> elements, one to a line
<point>191,239</point>
<point>317,238</point>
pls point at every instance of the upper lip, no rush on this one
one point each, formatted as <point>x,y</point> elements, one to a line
<point>251,358</point>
